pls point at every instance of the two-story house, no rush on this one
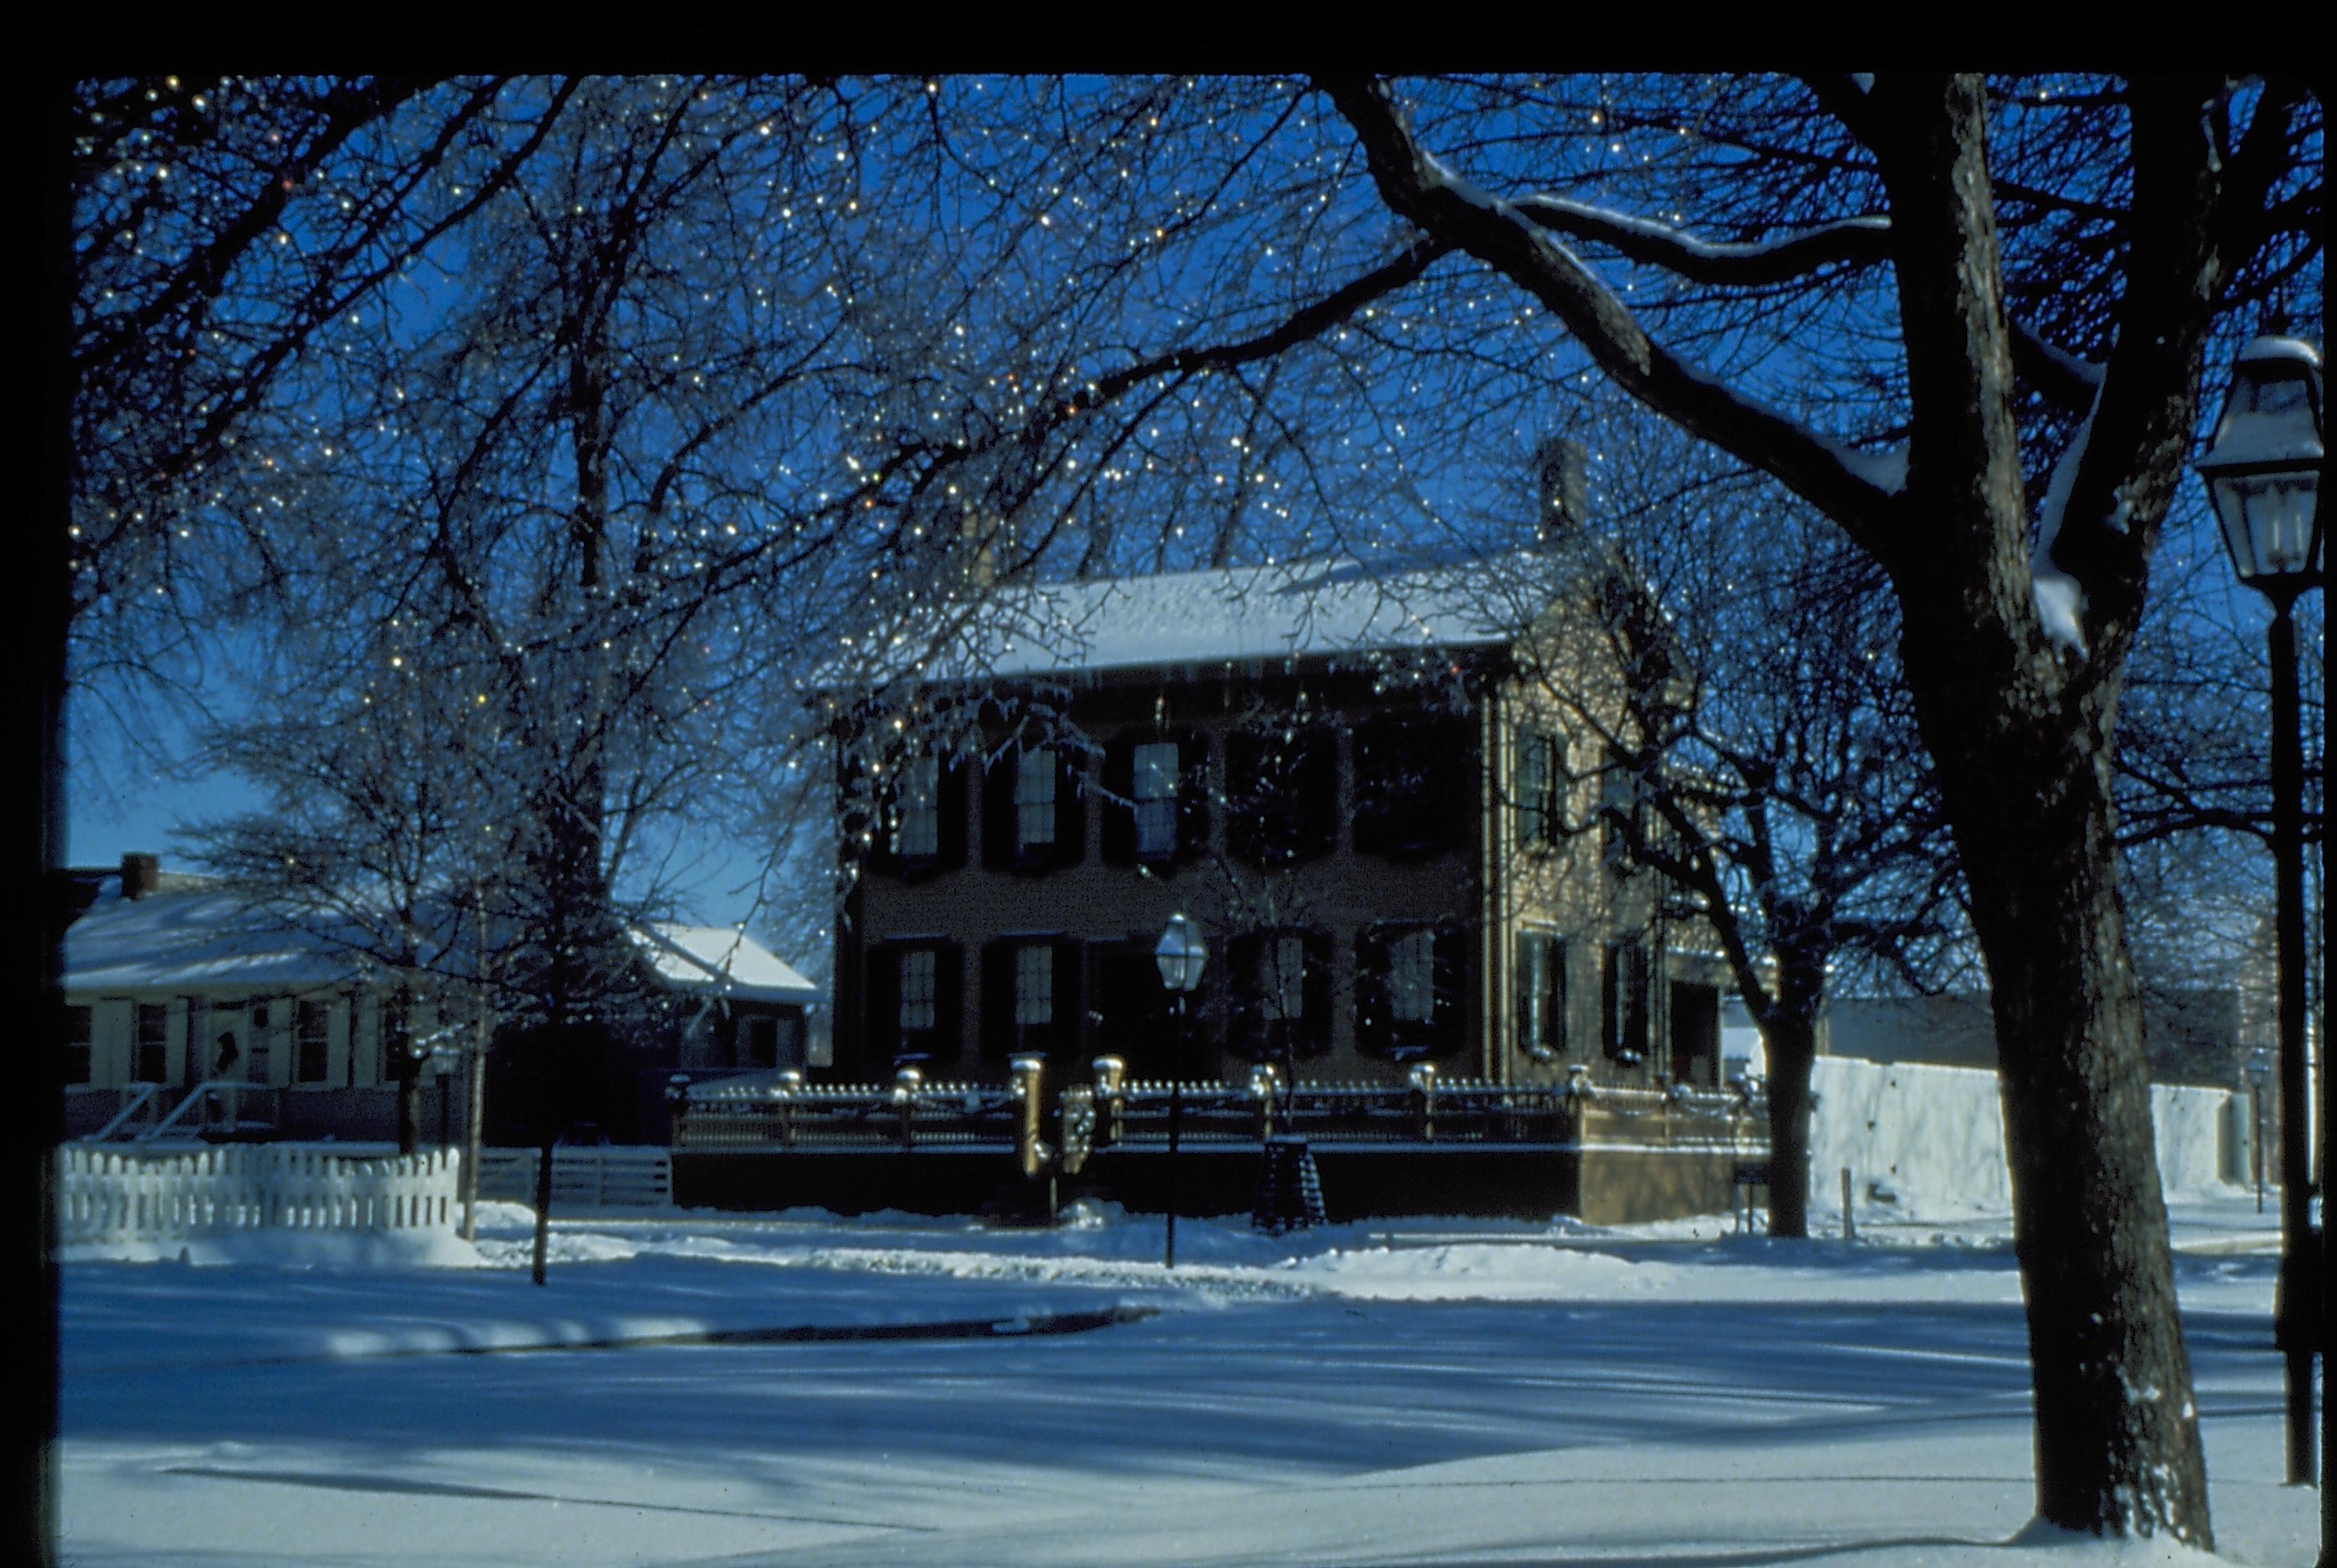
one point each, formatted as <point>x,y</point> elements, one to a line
<point>1351,772</point>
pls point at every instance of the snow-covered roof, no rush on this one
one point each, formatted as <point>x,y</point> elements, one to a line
<point>722,959</point>
<point>1321,606</point>
<point>194,940</point>
<point>214,938</point>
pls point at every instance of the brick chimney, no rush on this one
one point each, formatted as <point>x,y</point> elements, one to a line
<point>1561,487</point>
<point>140,874</point>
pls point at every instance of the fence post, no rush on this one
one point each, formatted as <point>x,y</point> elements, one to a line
<point>1849,1225</point>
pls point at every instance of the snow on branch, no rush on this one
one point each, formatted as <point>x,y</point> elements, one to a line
<point>2060,597</point>
<point>1454,210</point>
<point>1849,241</point>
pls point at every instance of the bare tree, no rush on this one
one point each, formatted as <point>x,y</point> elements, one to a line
<point>1736,725</point>
<point>1925,221</point>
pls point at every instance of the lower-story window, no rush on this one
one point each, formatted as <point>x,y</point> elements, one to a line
<point>1541,996</point>
<point>79,1035</point>
<point>150,1063</point>
<point>312,1042</point>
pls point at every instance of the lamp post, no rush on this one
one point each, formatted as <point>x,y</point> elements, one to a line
<point>2258,1075</point>
<point>2264,475</point>
<point>1180,955</point>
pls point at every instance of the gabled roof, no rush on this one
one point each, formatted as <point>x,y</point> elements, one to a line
<point>197,939</point>
<point>212,937</point>
<point>721,960</point>
<point>1321,606</point>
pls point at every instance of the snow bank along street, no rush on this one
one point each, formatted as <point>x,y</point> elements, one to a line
<point>937,1392</point>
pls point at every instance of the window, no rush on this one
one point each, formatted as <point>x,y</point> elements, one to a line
<point>1623,1001</point>
<point>257,1039</point>
<point>1617,806</point>
<point>1287,980</point>
<point>920,996</point>
<point>1034,800</point>
<point>1533,789</point>
<point>759,1042</point>
<point>312,1042</point>
<point>1283,786</point>
<point>1030,996</point>
<point>1412,986</point>
<point>1541,996</point>
<point>915,990</point>
<point>1155,795</point>
<point>917,828</point>
<point>1412,977</point>
<point>79,1035</point>
<point>1034,987</point>
<point>151,1063</point>
<point>1412,794</point>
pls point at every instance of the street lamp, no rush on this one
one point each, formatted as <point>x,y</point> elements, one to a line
<point>1181,955</point>
<point>2263,474</point>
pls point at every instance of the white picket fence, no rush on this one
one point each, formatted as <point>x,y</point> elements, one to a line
<point>107,1195</point>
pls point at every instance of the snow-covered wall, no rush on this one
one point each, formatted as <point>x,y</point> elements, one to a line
<point>1934,1136</point>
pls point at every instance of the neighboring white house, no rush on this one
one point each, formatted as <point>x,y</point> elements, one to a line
<point>174,980</point>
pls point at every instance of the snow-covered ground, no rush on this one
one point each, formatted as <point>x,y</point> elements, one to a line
<point>804,1389</point>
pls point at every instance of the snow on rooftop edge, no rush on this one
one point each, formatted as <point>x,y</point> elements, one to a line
<point>1322,605</point>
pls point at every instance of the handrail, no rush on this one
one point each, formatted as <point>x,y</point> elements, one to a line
<point>207,1088</point>
<point>136,1103</point>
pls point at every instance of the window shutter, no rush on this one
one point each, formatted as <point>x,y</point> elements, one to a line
<point>1070,1001</point>
<point>1374,1020</point>
<point>1554,1002</point>
<point>1314,1034</point>
<point>998,998</point>
<point>1531,984</point>
<point>1449,1016</point>
<point>998,809</point>
<point>1070,806</point>
<point>882,1025</point>
<point>950,798</point>
<point>1192,794</point>
<point>1610,1001</point>
<point>1119,847</point>
<point>949,1001</point>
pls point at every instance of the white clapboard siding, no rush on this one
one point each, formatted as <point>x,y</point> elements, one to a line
<point>108,1195</point>
<point>583,1176</point>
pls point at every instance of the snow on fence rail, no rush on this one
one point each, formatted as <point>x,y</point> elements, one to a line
<point>108,1195</point>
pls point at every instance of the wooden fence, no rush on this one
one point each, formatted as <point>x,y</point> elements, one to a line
<point>106,1194</point>
<point>583,1176</point>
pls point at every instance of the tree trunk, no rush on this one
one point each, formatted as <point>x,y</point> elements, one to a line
<point>1790,1047</point>
<point>2026,776</point>
<point>398,1053</point>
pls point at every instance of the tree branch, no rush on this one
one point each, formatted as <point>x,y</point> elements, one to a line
<point>1853,488</point>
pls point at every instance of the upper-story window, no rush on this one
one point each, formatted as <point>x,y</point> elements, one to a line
<point>1035,801</point>
<point>1413,793</point>
<point>917,821</point>
<point>1155,795</point>
<point>1034,808</point>
<point>1533,789</point>
<point>1282,785</point>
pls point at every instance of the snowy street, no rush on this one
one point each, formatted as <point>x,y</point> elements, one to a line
<point>936,1392</point>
